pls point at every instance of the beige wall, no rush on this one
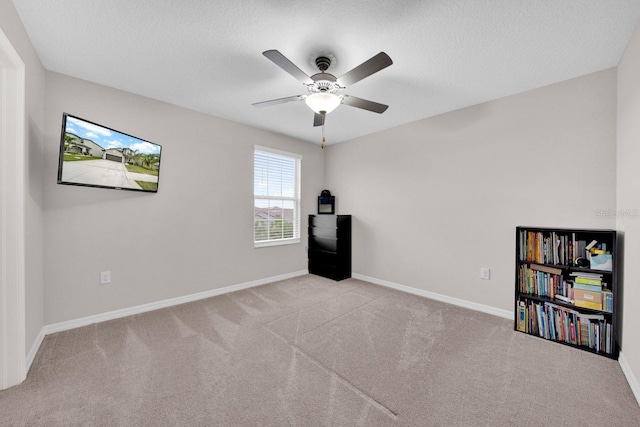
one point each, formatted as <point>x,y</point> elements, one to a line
<point>435,200</point>
<point>629,194</point>
<point>35,79</point>
<point>194,235</point>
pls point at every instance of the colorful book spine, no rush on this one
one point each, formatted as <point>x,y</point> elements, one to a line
<point>560,323</point>
<point>588,304</point>
<point>535,281</point>
<point>607,300</point>
<point>591,288</point>
<point>588,281</point>
<point>522,316</point>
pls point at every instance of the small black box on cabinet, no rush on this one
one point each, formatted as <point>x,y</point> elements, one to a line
<point>326,205</point>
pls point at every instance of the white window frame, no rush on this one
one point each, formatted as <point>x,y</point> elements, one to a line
<point>296,197</point>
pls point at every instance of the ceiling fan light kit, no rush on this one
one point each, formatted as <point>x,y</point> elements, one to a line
<point>323,102</point>
<point>323,87</point>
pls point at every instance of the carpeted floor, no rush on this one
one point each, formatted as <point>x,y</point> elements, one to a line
<point>312,352</point>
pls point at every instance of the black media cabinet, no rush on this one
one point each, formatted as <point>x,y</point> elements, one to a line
<point>330,246</point>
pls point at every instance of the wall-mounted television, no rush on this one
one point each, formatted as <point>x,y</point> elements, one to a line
<point>94,155</point>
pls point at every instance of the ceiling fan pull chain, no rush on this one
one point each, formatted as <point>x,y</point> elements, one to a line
<point>322,145</point>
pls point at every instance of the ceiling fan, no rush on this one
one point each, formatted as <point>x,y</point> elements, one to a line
<point>324,88</point>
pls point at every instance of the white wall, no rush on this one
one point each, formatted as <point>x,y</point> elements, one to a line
<point>35,79</point>
<point>435,200</point>
<point>629,195</point>
<point>194,235</point>
<point>432,201</point>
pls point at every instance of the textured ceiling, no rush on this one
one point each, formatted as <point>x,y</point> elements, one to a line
<point>206,55</point>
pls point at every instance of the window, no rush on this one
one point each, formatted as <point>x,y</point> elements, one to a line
<point>276,197</point>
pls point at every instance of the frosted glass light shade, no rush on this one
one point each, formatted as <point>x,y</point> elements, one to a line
<point>323,102</point>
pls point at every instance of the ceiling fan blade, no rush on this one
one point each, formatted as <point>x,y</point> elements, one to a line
<point>281,61</point>
<point>364,104</point>
<point>278,101</point>
<point>365,69</point>
<point>318,119</point>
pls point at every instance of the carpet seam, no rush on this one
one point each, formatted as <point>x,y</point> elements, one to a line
<point>340,316</point>
<point>390,413</point>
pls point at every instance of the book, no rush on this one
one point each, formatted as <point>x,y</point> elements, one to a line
<point>588,281</point>
<point>588,304</point>
<point>546,269</point>
<point>540,321</point>
<point>607,300</point>
<point>521,315</point>
<point>597,276</point>
<point>591,288</point>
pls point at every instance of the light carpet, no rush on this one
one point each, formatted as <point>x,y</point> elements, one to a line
<point>309,351</point>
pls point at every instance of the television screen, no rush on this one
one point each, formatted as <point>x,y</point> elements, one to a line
<point>97,156</point>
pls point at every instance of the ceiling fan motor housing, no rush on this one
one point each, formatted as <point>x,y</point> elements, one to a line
<point>323,63</point>
<point>324,82</point>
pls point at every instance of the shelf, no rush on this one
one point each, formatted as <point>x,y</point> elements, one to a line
<point>570,268</point>
<point>559,321</point>
<point>580,347</point>
<point>563,304</point>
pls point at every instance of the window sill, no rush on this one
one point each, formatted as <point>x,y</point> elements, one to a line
<point>268,243</point>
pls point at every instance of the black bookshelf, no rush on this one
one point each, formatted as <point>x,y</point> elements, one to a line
<point>566,287</point>
<point>330,246</point>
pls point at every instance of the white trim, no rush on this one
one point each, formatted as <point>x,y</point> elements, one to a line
<point>267,243</point>
<point>296,198</point>
<point>34,349</point>
<point>628,373</point>
<point>116,314</point>
<point>12,212</point>
<point>438,297</point>
<point>277,152</point>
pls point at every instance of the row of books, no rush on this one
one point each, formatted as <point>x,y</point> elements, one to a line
<point>559,249</point>
<point>558,323</point>
<point>550,247</point>
<point>586,290</point>
<point>534,279</point>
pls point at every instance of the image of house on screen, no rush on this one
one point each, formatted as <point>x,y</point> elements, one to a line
<point>86,147</point>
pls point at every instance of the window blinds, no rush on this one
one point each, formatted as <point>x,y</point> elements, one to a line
<point>276,194</point>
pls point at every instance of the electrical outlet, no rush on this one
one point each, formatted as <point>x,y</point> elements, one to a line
<point>105,277</point>
<point>485,273</point>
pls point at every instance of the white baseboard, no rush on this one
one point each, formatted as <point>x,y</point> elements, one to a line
<point>628,373</point>
<point>116,314</point>
<point>438,297</point>
<point>34,349</point>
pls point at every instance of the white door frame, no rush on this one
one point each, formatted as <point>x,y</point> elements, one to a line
<point>12,210</point>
